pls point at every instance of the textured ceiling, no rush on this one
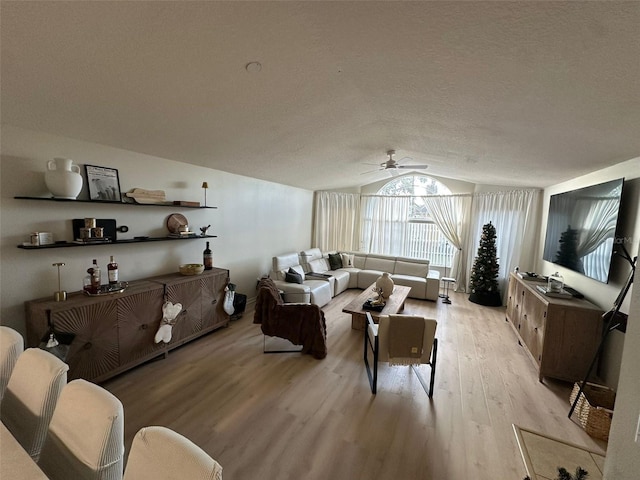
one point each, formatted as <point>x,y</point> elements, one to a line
<point>503,93</point>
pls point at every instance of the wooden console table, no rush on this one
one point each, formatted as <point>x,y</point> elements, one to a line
<point>114,333</point>
<point>395,304</point>
<point>560,335</point>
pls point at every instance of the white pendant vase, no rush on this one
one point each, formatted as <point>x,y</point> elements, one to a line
<point>63,178</point>
<point>385,285</point>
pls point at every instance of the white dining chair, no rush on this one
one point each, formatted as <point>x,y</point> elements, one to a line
<point>159,453</point>
<point>31,396</point>
<point>11,346</point>
<point>86,435</point>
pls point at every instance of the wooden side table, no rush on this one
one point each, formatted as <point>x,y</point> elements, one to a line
<point>446,282</point>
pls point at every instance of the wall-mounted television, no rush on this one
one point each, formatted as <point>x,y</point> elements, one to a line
<point>581,229</point>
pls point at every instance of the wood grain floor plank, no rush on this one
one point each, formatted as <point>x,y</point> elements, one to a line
<point>289,416</point>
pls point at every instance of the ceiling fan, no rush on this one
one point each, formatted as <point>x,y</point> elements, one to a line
<point>393,165</point>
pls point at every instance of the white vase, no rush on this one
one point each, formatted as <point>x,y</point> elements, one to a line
<point>385,285</point>
<point>63,178</point>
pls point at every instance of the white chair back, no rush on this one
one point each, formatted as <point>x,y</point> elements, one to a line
<point>31,395</point>
<point>159,453</point>
<point>11,346</point>
<point>86,435</point>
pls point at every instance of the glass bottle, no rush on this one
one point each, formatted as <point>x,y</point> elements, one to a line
<point>207,258</point>
<point>112,271</point>
<point>96,277</point>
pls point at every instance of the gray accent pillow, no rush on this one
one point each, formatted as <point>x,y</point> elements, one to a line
<point>292,276</point>
<point>335,261</point>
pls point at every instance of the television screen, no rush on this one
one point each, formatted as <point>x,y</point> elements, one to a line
<point>581,229</point>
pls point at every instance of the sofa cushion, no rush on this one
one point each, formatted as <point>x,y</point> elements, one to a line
<point>347,260</point>
<point>418,284</point>
<point>283,262</point>
<point>311,254</point>
<point>367,277</point>
<point>380,264</point>
<point>358,260</point>
<point>412,268</point>
<point>341,280</point>
<point>319,265</point>
<point>335,261</point>
<point>291,276</point>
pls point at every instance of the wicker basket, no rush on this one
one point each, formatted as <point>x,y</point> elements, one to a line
<point>594,408</point>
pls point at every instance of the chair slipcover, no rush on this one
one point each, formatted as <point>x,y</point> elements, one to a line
<point>11,346</point>
<point>86,435</point>
<point>159,453</point>
<point>31,395</point>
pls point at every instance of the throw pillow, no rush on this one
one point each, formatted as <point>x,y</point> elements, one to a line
<point>292,276</point>
<point>335,262</point>
<point>347,260</point>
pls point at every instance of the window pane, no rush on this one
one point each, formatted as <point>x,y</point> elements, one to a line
<point>424,238</point>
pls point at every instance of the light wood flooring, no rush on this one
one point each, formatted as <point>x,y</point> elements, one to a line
<point>288,416</point>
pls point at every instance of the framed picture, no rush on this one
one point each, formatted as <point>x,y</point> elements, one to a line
<point>103,183</point>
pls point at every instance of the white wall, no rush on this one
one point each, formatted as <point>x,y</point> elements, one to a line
<point>621,356</point>
<point>599,293</point>
<point>623,453</point>
<point>255,220</point>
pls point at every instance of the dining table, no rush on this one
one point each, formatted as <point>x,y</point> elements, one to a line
<point>15,462</point>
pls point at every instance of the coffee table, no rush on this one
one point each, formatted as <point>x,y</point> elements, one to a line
<point>395,304</point>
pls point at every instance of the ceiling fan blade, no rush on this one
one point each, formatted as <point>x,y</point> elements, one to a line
<point>393,172</point>
<point>372,171</point>
<point>417,167</point>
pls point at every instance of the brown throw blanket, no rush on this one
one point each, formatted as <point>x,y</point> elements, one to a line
<point>406,335</point>
<point>301,324</point>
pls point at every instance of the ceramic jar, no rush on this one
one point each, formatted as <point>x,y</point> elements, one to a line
<point>385,285</point>
<point>63,178</point>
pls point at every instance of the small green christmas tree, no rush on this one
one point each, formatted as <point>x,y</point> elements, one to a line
<point>563,474</point>
<point>484,274</point>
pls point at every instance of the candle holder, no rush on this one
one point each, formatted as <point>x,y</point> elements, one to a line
<point>205,186</point>
<point>60,295</point>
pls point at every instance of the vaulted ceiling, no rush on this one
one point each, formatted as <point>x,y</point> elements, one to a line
<point>504,93</point>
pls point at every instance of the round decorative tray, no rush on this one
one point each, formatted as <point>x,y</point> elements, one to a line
<point>109,289</point>
<point>175,221</point>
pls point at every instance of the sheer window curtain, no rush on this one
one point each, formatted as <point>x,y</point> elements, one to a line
<point>451,213</point>
<point>336,221</point>
<point>384,224</point>
<point>515,215</point>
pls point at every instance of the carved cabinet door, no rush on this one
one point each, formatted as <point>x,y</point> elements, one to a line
<point>213,293</point>
<point>139,317</point>
<point>94,350</point>
<point>189,321</point>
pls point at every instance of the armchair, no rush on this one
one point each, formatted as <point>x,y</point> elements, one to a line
<point>401,340</point>
<point>300,323</point>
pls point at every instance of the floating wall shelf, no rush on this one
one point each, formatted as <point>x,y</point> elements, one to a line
<point>94,202</point>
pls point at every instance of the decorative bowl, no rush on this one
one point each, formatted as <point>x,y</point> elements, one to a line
<point>191,268</point>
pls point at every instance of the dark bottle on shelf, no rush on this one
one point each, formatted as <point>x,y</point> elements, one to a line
<point>207,258</point>
<point>112,270</point>
<point>96,277</point>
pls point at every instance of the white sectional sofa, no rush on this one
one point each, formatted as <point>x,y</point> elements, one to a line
<point>321,283</point>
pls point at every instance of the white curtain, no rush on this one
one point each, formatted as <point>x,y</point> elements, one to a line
<point>515,215</point>
<point>336,223</point>
<point>452,213</point>
<point>384,224</point>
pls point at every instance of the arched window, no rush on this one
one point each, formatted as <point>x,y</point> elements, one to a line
<point>424,239</point>
<point>415,186</point>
